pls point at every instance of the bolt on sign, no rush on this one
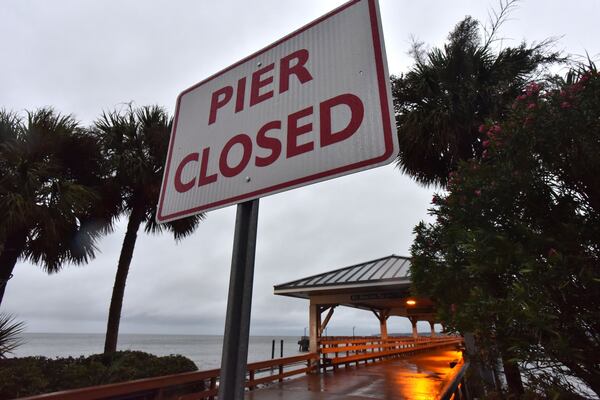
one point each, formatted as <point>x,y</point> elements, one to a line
<point>314,105</point>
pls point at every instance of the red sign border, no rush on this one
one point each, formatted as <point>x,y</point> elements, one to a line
<point>388,131</point>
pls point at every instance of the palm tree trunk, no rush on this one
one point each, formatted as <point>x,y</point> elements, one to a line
<point>513,377</point>
<point>13,247</point>
<point>116,301</point>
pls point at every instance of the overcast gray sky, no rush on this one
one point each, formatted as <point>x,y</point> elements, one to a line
<point>82,57</point>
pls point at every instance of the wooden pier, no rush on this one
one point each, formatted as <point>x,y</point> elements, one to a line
<point>396,368</point>
<point>375,367</point>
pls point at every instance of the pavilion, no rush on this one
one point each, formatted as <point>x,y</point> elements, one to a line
<point>381,286</point>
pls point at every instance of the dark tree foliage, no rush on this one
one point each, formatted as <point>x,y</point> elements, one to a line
<point>134,144</point>
<point>514,254</point>
<point>450,91</point>
<point>30,376</point>
<point>51,192</point>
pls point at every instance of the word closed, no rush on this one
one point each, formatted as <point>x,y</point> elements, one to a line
<point>312,106</point>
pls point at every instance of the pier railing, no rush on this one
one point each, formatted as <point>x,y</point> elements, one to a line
<point>345,351</point>
<point>190,385</point>
<point>455,387</point>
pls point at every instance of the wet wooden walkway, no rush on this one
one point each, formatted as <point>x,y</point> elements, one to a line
<point>419,377</point>
<point>423,372</point>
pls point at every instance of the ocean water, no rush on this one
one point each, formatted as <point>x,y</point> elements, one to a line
<point>204,350</point>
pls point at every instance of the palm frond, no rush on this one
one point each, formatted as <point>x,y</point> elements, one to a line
<point>134,141</point>
<point>11,125</point>
<point>52,175</point>
<point>10,334</point>
<point>180,228</point>
<point>452,90</point>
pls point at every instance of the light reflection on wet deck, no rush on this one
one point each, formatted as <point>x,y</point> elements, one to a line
<point>418,377</point>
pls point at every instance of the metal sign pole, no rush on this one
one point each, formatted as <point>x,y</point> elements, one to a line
<point>237,323</point>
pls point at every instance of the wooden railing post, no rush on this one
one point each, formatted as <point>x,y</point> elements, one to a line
<point>213,385</point>
<point>251,380</point>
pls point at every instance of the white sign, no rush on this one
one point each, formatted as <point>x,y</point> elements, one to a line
<point>312,106</point>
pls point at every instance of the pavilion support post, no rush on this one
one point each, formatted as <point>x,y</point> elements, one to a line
<point>415,333</point>
<point>383,328</point>
<point>314,319</point>
<point>319,323</point>
<point>432,326</point>
<point>383,316</point>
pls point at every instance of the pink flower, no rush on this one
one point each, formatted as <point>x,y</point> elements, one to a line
<point>521,97</point>
<point>481,128</point>
<point>565,104</point>
<point>478,193</point>
<point>532,88</point>
<point>486,144</point>
<point>484,154</point>
<point>531,106</point>
<point>496,129</point>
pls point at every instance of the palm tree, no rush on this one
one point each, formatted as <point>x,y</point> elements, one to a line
<point>441,102</point>
<point>49,192</point>
<point>134,143</point>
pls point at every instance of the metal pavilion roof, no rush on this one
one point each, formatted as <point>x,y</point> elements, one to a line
<point>390,270</point>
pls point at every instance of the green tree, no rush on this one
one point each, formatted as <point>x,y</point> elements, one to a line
<point>134,143</point>
<point>514,254</point>
<point>449,92</point>
<point>49,192</point>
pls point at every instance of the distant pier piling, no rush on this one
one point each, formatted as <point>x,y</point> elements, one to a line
<point>303,344</point>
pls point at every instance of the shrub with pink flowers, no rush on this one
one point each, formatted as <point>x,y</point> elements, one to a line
<point>517,259</point>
